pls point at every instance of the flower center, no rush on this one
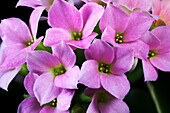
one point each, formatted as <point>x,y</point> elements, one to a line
<point>151,54</point>
<point>59,70</point>
<point>119,38</point>
<point>104,68</point>
<point>76,35</point>
<point>53,103</point>
<point>29,43</point>
<point>101,97</point>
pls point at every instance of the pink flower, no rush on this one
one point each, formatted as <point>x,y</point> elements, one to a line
<point>103,102</point>
<point>105,66</point>
<point>55,71</point>
<point>159,52</point>
<point>123,30</point>
<point>59,104</point>
<point>71,25</point>
<point>162,9</point>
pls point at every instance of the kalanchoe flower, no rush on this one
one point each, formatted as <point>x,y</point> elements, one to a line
<point>55,71</point>
<point>123,30</point>
<point>105,66</point>
<point>162,9</point>
<point>18,39</point>
<point>71,25</point>
<point>103,102</point>
<point>159,52</point>
<point>60,104</point>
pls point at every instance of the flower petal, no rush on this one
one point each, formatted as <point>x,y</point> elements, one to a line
<point>100,51</point>
<point>45,89</point>
<point>123,60</point>
<point>117,85</point>
<point>161,61</point>
<point>48,109</point>
<point>29,3</point>
<point>6,76</point>
<point>93,107</point>
<point>91,14</point>
<point>89,74</point>
<point>64,99</point>
<point>59,16</point>
<point>41,61</point>
<point>29,105</point>
<point>71,76</point>
<point>139,24</point>
<point>29,82</point>
<point>65,54</point>
<point>55,36</point>
<point>150,72</point>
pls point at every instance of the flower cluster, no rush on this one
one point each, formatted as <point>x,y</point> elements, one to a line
<point>128,31</point>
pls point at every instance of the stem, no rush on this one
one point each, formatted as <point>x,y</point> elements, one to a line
<point>154,96</point>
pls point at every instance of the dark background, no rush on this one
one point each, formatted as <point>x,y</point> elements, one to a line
<point>138,99</point>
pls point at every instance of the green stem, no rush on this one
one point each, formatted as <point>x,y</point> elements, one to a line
<point>154,96</point>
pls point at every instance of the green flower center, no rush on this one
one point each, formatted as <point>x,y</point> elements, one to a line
<point>101,97</point>
<point>76,36</point>
<point>59,70</point>
<point>53,103</point>
<point>119,38</point>
<point>151,54</point>
<point>29,43</point>
<point>104,68</point>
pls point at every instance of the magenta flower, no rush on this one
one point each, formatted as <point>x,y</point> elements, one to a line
<point>60,104</point>
<point>162,9</point>
<point>105,66</point>
<point>123,30</point>
<point>159,52</point>
<point>71,25</point>
<point>54,71</point>
<point>103,102</point>
<point>18,39</point>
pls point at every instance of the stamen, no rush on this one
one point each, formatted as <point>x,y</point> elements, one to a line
<point>76,36</point>
<point>104,68</point>
<point>119,38</point>
<point>151,54</point>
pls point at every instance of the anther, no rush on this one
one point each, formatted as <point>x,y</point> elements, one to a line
<point>152,54</point>
<point>120,41</point>
<point>106,70</point>
<point>53,104</point>
<point>62,71</point>
<point>74,33</point>
<point>79,34</point>
<point>117,35</point>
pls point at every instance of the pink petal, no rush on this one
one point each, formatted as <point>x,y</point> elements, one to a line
<point>71,76</point>
<point>29,82</point>
<point>122,56</point>
<point>156,7</point>
<point>150,40</point>
<point>121,19</point>
<point>91,14</point>
<point>15,31</point>
<point>48,109</point>
<point>45,89</point>
<point>120,85</point>
<point>29,3</point>
<point>55,36</point>
<point>6,76</point>
<point>162,33</point>
<point>100,51</point>
<point>65,54</point>
<point>139,24</point>
<point>113,106</point>
<point>34,19</point>
<point>93,107</point>
<point>150,72</point>
<point>89,74</point>
<point>64,99</point>
<point>29,105</point>
<point>59,16</point>
<point>161,61</point>
<point>41,61</point>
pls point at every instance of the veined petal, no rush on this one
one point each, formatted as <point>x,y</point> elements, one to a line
<point>89,74</point>
<point>48,109</point>
<point>91,14</point>
<point>63,15</point>
<point>55,36</point>
<point>121,19</point>
<point>156,7</point>
<point>65,54</point>
<point>150,72</point>
<point>93,107</point>
<point>100,51</point>
<point>29,3</point>
<point>123,60</point>
<point>6,76</point>
<point>41,61</point>
<point>45,89</point>
<point>117,85</point>
<point>29,105</point>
